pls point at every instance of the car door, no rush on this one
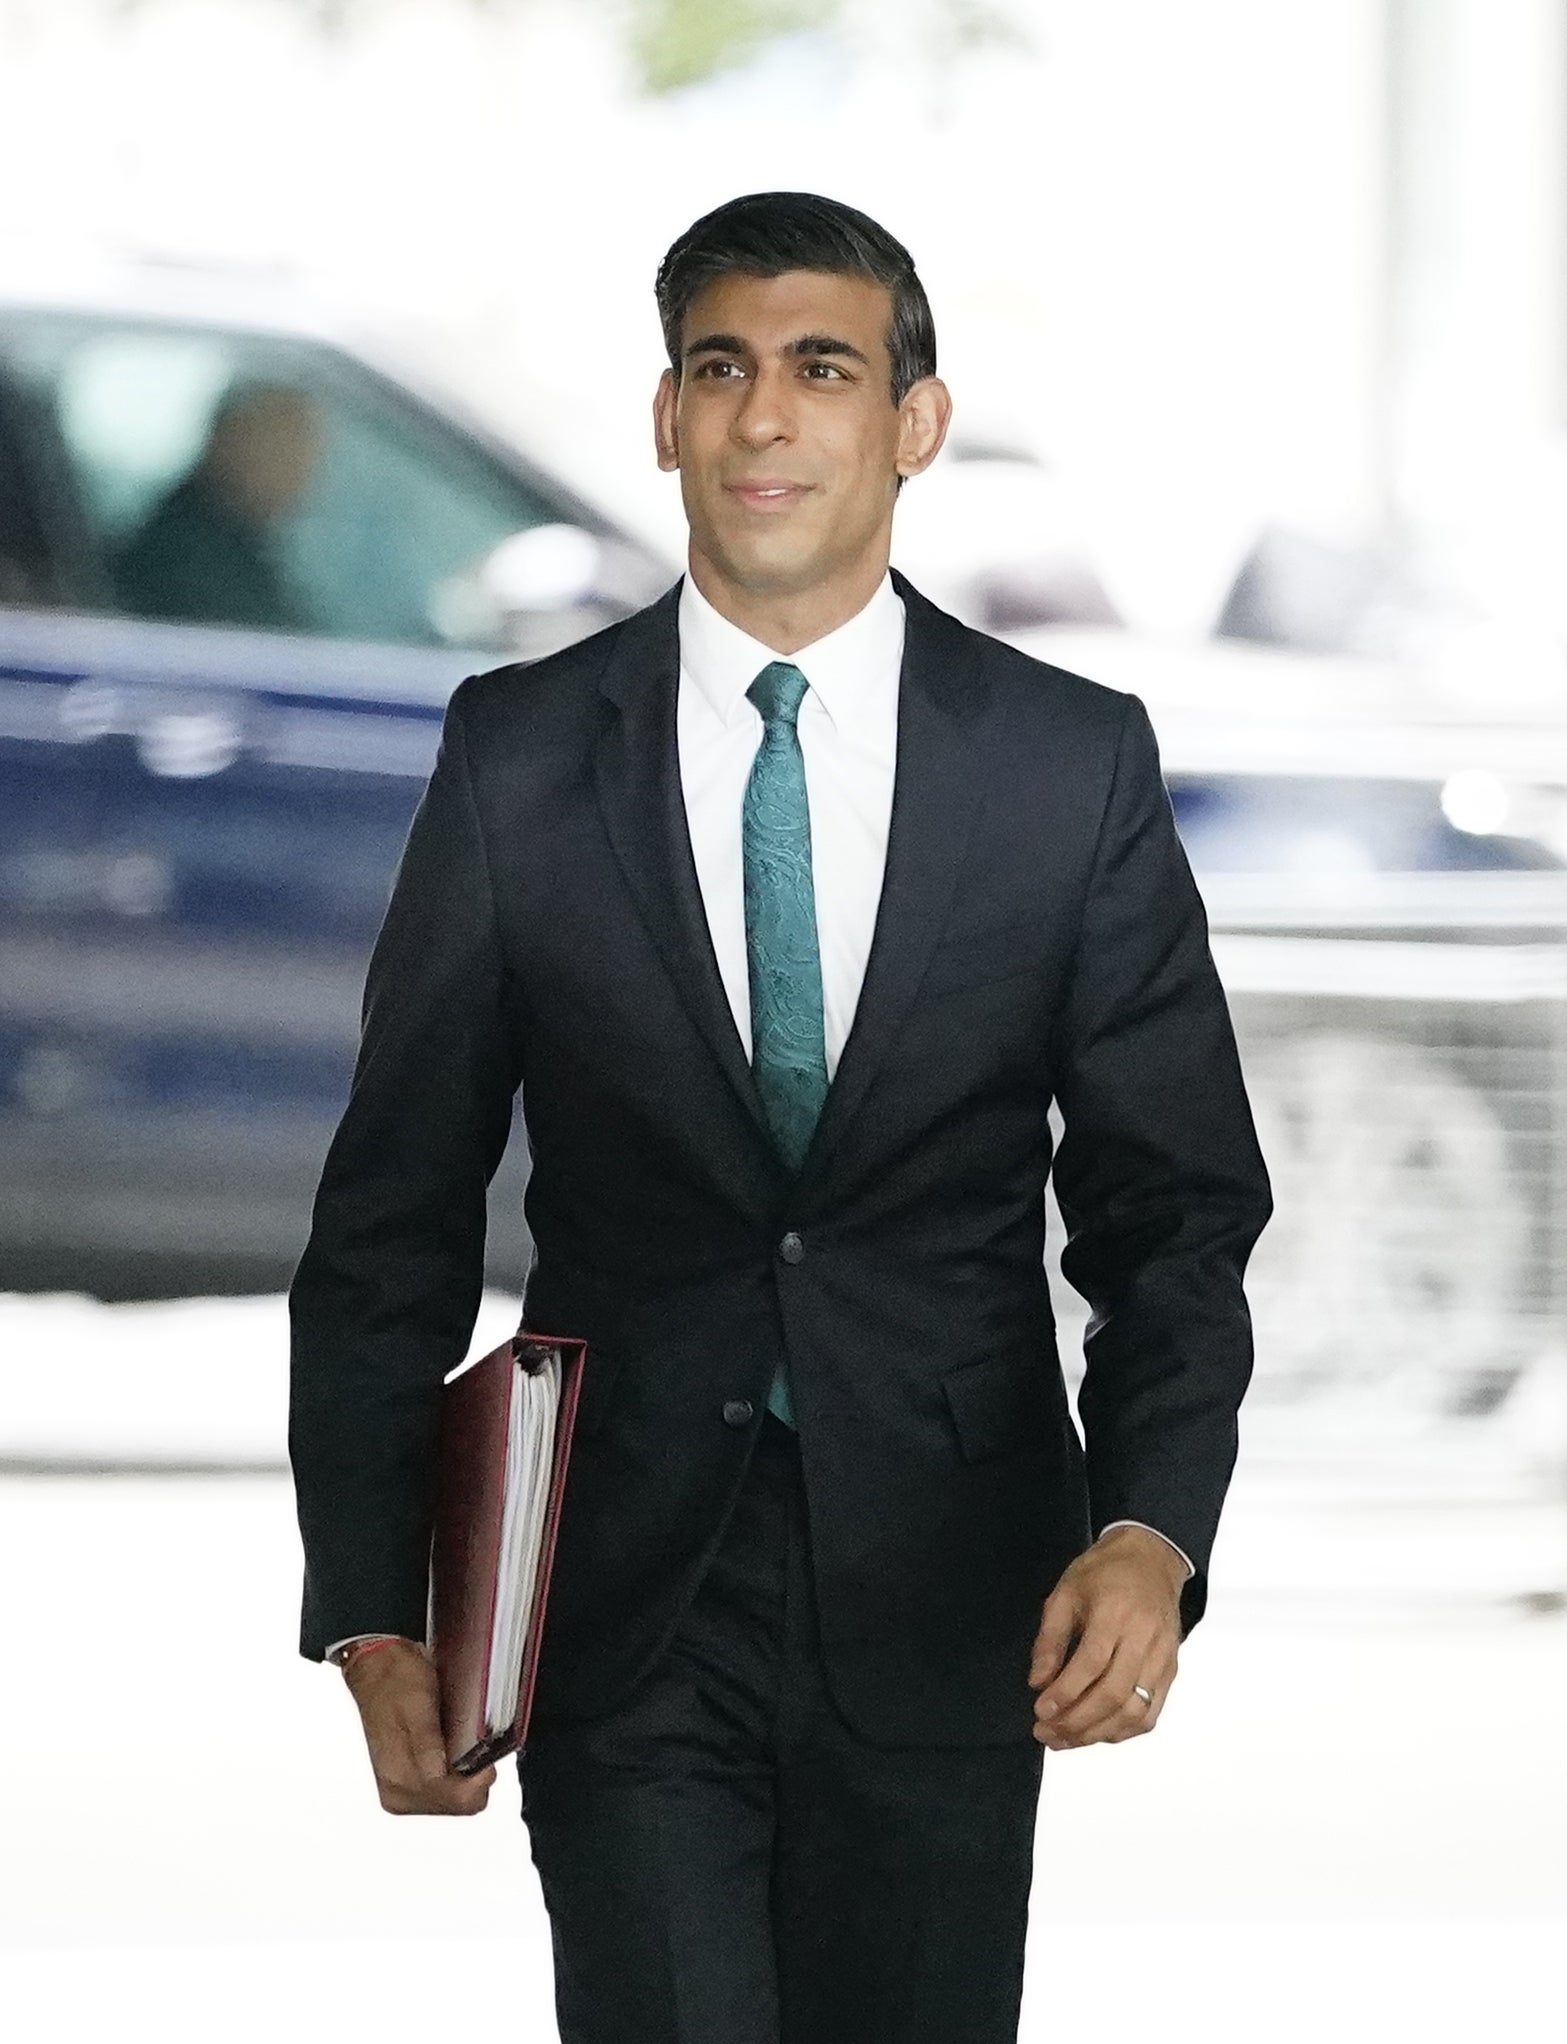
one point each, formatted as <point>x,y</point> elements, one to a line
<point>52,881</point>
<point>283,576</point>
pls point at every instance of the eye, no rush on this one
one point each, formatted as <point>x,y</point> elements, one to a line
<point>831,368</point>
<point>702,368</point>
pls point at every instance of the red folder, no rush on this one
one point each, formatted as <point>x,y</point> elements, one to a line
<point>506,1427</point>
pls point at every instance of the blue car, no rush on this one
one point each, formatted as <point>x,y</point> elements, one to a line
<point>242,567</point>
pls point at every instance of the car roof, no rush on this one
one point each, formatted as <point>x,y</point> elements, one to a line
<point>283,300</point>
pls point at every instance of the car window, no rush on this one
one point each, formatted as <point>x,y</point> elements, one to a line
<point>271,484</point>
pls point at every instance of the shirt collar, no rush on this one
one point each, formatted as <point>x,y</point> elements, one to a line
<point>847,668</point>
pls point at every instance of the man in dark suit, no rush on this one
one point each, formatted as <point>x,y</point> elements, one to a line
<point>792,905</point>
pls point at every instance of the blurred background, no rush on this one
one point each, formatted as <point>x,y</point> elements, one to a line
<point>327,349</point>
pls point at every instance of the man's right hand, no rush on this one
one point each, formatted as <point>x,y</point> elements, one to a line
<point>399,1707</point>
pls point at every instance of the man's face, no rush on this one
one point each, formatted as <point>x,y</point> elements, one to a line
<point>783,427</point>
<point>263,452</point>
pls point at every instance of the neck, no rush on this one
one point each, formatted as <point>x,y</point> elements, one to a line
<point>786,620</point>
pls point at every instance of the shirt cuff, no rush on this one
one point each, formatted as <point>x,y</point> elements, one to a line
<point>1181,1551</point>
<point>338,1645</point>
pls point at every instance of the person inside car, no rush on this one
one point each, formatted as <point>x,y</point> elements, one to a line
<point>208,551</point>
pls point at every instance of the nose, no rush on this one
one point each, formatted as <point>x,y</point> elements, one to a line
<point>765,415</point>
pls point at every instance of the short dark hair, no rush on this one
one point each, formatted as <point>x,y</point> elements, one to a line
<point>763,234</point>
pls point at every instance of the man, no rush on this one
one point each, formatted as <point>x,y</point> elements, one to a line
<point>791,904</point>
<point>208,553</point>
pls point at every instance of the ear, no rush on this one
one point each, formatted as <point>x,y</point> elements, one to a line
<point>665,438</point>
<point>923,418</point>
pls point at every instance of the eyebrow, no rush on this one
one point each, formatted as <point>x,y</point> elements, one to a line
<point>806,344</point>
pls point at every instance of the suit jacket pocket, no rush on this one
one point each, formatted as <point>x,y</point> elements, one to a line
<point>1003,1404</point>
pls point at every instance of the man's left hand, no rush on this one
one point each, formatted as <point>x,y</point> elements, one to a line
<point>1110,1624</point>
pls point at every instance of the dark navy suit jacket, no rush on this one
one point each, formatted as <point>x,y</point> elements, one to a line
<point>1039,938</point>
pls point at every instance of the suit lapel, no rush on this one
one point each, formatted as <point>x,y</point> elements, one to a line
<point>938,787</point>
<point>636,771</point>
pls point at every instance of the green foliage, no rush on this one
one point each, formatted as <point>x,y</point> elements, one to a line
<point>672,42</point>
<point>675,43</point>
<point>680,42</point>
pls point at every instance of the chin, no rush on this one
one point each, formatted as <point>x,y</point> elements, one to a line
<point>768,570</point>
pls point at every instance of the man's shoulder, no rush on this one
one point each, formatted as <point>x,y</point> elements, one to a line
<point>559,684</point>
<point>1026,683</point>
<point>1061,691</point>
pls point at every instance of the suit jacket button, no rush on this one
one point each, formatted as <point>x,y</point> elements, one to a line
<point>737,1412</point>
<point>791,1248</point>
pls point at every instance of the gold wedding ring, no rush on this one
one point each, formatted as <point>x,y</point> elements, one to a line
<point>1138,1690</point>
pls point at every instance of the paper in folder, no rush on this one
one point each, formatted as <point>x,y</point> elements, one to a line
<point>506,1426</point>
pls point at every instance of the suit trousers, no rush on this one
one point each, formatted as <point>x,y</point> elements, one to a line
<point>722,1859</point>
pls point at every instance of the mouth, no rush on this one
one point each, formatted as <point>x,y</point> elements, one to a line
<point>767,496</point>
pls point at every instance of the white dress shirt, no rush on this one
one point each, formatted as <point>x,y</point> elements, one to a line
<point>848,727</point>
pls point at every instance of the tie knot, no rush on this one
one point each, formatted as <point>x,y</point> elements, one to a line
<point>778,692</point>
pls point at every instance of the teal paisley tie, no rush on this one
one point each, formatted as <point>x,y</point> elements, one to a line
<point>788,1048</point>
